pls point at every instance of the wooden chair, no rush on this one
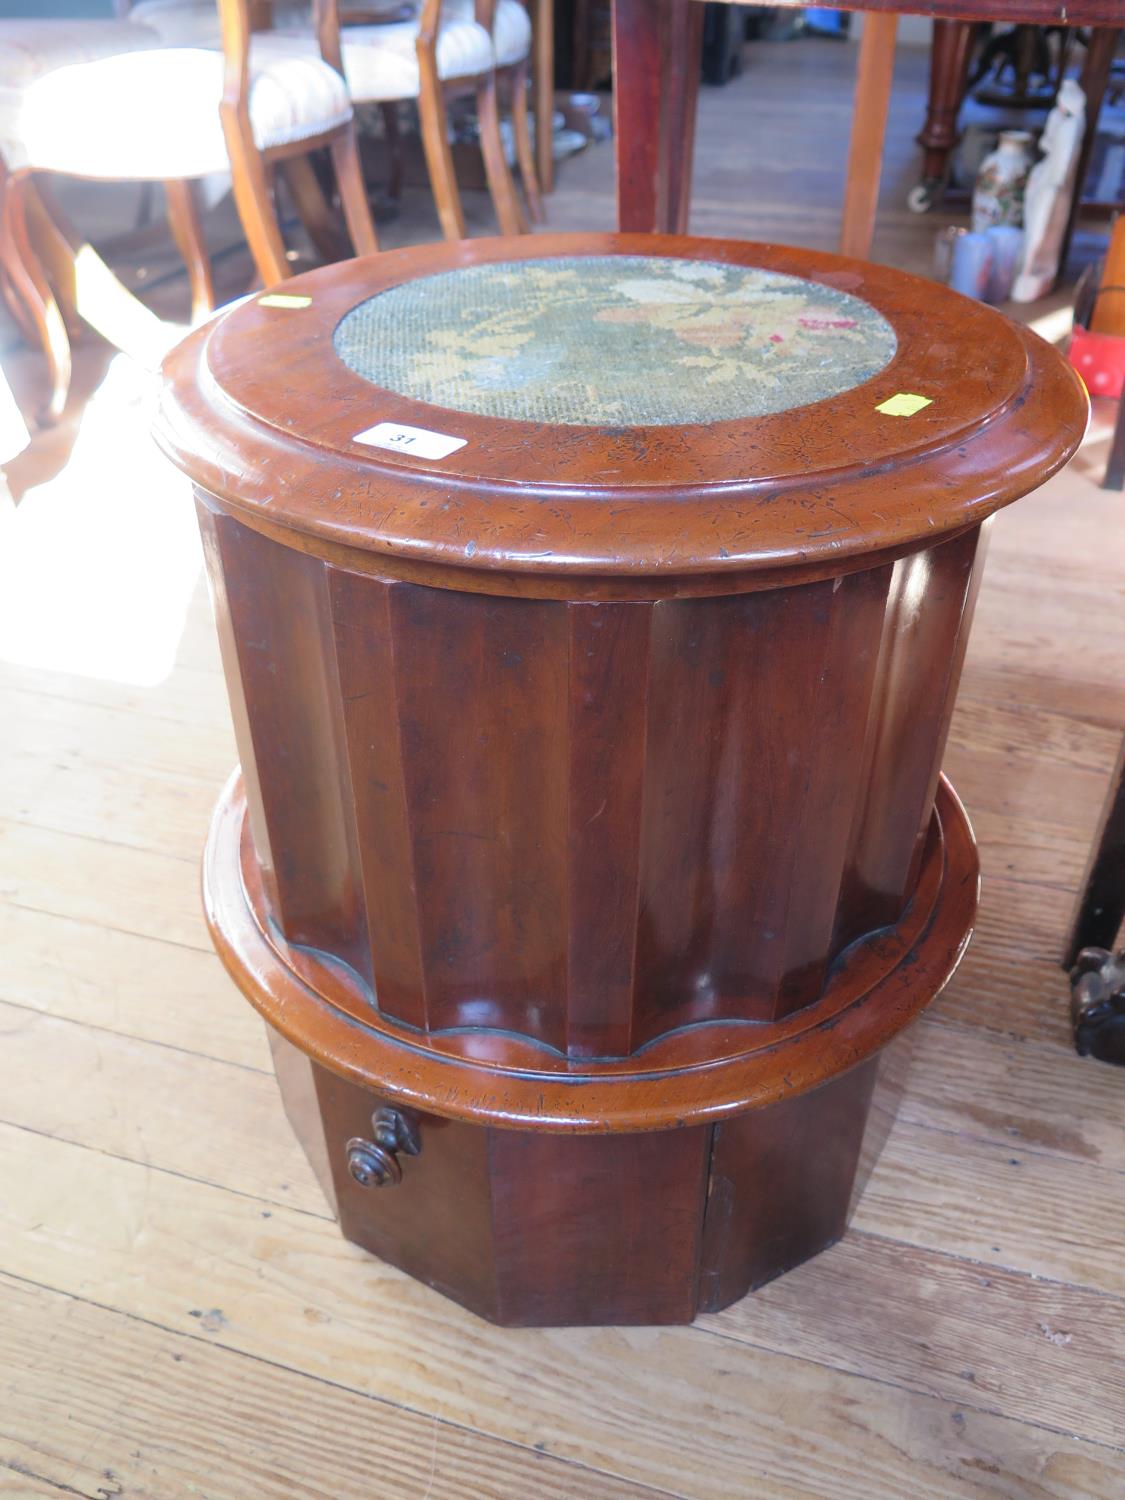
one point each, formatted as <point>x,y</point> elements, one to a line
<point>449,49</point>
<point>141,111</point>
<point>446,53</point>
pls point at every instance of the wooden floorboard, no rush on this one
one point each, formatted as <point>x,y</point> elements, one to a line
<point>686,1410</point>
<point>153,1413</point>
<point>993,1340</point>
<point>178,1314</point>
<point>99,976</point>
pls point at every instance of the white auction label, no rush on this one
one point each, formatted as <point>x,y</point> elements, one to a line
<point>416,440</point>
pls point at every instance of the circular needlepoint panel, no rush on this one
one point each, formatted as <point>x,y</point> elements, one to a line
<point>634,340</point>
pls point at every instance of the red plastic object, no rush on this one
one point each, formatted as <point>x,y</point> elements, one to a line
<point>1100,360</point>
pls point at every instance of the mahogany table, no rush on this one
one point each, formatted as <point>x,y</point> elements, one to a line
<point>592,609</point>
<point>656,64</point>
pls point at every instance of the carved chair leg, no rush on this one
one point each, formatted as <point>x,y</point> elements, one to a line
<point>8,268</point>
<point>30,283</point>
<point>353,192</point>
<point>500,185</point>
<point>54,250</point>
<point>313,208</point>
<point>393,134</point>
<point>543,41</point>
<point>12,300</point>
<point>439,155</point>
<point>187,231</point>
<point>525,154</point>
<point>253,199</point>
<point>100,299</point>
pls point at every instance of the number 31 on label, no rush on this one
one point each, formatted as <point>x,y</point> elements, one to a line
<point>417,441</point>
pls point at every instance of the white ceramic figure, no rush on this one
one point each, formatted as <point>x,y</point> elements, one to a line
<point>1049,191</point>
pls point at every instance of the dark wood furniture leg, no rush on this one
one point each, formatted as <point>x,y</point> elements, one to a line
<point>525,151</point>
<point>344,152</point>
<point>1094,80</point>
<point>1115,468</point>
<point>657,55</point>
<point>1097,1005</point>
<point>254,200</point>
<point>949,68</point>
<point>874,76</point>
<point>1101,906</point>
<point>1097,974</point>
<point>313,209</point>
<point>392,131</point>
<point>502,189</point>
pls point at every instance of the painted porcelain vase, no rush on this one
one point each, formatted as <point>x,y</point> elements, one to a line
<point>1000,184</point>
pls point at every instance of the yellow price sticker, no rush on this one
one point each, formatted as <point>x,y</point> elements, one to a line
<point>903,405</point>
<point>284,299</point>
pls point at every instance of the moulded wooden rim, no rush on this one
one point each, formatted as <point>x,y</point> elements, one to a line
<point>260,411</point>
<point>674,1082</point>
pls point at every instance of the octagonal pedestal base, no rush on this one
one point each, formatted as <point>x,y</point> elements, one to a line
<point>535,1228</point>
<point>643,1190</point>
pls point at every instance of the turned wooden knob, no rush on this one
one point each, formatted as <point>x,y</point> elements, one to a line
<point>372,1166</point>
<point>375,1163</point>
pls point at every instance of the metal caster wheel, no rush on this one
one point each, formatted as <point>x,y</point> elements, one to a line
<point>923,197</point>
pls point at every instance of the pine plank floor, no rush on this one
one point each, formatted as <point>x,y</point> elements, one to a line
<point>178,1315</point>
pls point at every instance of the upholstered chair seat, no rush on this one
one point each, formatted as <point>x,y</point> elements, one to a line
<point>154,113</point>
<point>511,28</point>
<point>195,23</point>
<point>29,48</point>
<point>381,62</point>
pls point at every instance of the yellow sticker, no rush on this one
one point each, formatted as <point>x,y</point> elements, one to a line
<point>284,299</point>
<point>903,405</point>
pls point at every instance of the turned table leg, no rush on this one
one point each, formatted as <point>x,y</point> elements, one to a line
<point>657,55</point>
<point>949,66</point>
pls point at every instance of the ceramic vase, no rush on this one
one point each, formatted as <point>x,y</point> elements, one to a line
<point>1000,184</point>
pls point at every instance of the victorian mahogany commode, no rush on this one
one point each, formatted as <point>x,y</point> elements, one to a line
<point>592,609</point>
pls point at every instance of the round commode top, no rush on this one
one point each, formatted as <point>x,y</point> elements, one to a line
<point>617,405</point>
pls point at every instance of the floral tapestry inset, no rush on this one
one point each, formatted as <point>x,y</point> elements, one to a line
<point>616,340</point>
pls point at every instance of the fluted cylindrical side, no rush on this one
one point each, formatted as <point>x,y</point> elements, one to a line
<point>588,823</point>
